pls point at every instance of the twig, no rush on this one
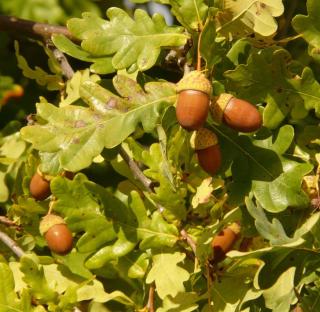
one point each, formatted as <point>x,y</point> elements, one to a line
<point>66,69</point>
<point>8,222</point>
<point>150,304</point>
<point>32,29</point>
<point>138,174</point>
<point>209,285</point>
<point>11,244</point>
<point>189,240</point>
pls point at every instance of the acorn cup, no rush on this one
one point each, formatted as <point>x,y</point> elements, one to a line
<point>238,114</point>
<point>224,241</point>
<point>205,142</point>
<point>193,100</point>
<point>56,233</point>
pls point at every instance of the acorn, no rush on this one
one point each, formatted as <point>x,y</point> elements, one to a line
<point>193,100</point>
<point>39,186</point>
<point>205,142</point>
<point>238,114</point>
<point>224,241</point>
<point>56,233</point>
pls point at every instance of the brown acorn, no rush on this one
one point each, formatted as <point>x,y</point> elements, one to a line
<point>238,114</point>
<point>39,187</point>
<point>193,100</point>
<point>57,234</point>
<point>207,148</point>
<point>224,241</point>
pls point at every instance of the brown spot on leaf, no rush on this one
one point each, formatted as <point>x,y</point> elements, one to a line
<point>75,140</point>
<point>96,117</point>
<point>80,124</point>
<point>111,104</point>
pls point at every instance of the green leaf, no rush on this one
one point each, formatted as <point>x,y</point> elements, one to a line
<point>230,290</point>
<point>167,275</point>
<point>182,302</point>
<point>173,199</point>
<point>266,78</point>
<point>35,278</point>
<point>75,263</point>
<point>8,297</point>
<point>154,233</point>
<point>95,291</point>
<point>46,12</point>
<point>78,134</point>
<point>130,41</point>
<point>281,295</point>
<point>251,15</point>
<point>260,164</point>
<point>135,264</point>
<point>4,191</point>
<point>288,184</point>
<point>190,13</point>
<point>211,50</point>
<point>74,85</point>
<point>82,212</point>
<point>52,82</point>
<point>101,65</point>
<point>308,25</point>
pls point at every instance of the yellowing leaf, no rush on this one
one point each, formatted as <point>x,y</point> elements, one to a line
<point>253,15</point>
<point>203,194</point>
<point>167,275</point>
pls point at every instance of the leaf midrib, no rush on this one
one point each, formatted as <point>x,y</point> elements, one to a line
<point>244,152</point>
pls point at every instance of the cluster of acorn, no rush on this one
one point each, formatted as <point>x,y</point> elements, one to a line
<point>52,227</point>
<point>193,106</point>
<point>192,109</point>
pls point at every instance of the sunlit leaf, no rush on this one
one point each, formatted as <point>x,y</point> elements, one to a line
<point>78,133</point>
<point>167,275</point>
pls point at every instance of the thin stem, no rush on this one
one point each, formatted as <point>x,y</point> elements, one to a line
<point>138,174</point>
<point>4,220</point>
<point>199,52</point>
<point>32,29</point>
<point>11,244</point>
<point>189,240</point>
<point>209,284</point>
<point>66,69</point>
<point>150,304</point>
